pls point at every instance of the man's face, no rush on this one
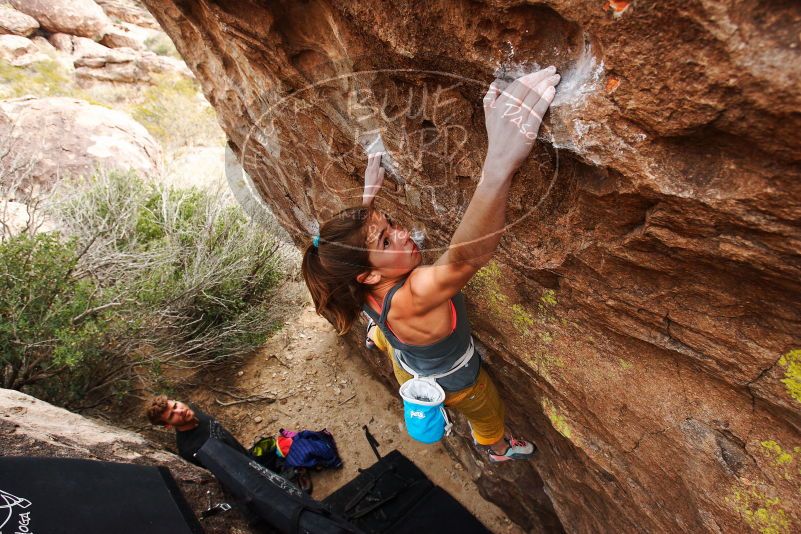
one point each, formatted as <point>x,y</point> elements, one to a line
<point>392,252</point>
<point>177,414</point>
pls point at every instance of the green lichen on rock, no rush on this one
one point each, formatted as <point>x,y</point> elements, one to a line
<point>792,373</point>
<point>546,307</point>
<point>760,512</point>
<point>778,455</point>
<point>487,281</point>
<point>548,298</point>
<point>783,462</point>
<point>557,421</point>
<point>544,363</point>
<point>522,319</point>
<point>624,364</point>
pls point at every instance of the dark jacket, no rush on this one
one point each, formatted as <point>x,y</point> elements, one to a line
<point>190,441</point>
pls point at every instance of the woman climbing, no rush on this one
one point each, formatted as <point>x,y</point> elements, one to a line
<point>363,261</point>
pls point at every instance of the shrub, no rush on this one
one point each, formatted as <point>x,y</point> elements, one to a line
<point>199,274</point>
<point>42,78</point>
<point>162,45</point>
<point>140,278</point>
<point>51,323</point>
<point>172,111</point>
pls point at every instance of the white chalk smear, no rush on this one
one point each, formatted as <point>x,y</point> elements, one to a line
<point>418,235</point>
<point>311,225</point>
<point>373,144</point>
<point>578,80</point>
<point>580,127</point>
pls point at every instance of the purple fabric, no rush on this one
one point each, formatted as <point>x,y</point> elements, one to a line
<point>312,449</point>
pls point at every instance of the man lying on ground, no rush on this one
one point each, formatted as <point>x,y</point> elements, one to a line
<point>192,426</point>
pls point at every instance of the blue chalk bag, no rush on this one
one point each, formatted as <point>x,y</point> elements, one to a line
<point>424,401</point>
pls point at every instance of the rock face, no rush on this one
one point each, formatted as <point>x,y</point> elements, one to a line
<point>641,313</point>
<point>16,22</point>
<point>13,47</point>
<point>129,11</point>
<point>65,136</point>
<point>76,17</point>
<point>118,37</point>
<point>30,427</point>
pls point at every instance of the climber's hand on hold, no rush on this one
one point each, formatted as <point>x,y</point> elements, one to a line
<point>373,178</point>
<point>513,116</point>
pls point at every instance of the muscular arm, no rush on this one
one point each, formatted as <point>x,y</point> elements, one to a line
<point>472,245</point>
<point>512,119</point>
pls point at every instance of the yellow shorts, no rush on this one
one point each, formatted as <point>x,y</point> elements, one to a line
<point>480,402</point>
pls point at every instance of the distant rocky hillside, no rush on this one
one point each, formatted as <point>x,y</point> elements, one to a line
<point>86,87</point>
<point>125,45</point>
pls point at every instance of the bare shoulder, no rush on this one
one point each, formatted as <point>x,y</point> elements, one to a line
<point>403,302</point>
<point>415,323</point>
<point>429,286</point>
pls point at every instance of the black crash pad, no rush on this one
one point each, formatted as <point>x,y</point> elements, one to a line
<point>394,497</point>
<point>68,495</point>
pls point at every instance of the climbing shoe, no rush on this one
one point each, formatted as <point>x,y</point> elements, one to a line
<point>516,449</point>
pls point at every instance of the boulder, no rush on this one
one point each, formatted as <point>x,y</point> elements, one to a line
<point>87,53</point>
<point>155,63</point>
<point>20,51</point>
<point>75,17</point>
<point>31,427</point>
<point>64,136</point>
<point>43,45</point>
<point>97,62</point>
<point>13,47</point>
<point>16,22</point>
<point>121,37</point>
<point>62,42</point>
<point>129,11</point>
<point>141,34</point>
<point>642,313</point>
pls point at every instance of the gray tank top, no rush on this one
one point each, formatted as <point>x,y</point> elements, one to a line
<point>437,357</point>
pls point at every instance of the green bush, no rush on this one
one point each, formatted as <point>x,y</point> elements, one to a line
<point>51,324</point>
<point>147,278</point>
<point>42,78</point>
<point>200,273</point>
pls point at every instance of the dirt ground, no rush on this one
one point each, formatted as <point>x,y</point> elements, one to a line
<point>320,385</point>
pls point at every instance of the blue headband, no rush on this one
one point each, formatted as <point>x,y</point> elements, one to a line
<point>316,241</point>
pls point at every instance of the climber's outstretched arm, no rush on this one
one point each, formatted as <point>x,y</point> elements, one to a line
<point>513,116</point>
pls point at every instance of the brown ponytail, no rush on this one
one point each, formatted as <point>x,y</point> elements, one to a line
<point>330,269</point>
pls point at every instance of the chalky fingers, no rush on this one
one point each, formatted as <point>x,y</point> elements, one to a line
<point>538,93</point>
<point>522,87</point>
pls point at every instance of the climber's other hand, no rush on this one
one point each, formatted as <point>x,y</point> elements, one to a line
<point>373,178</point>
<point>513,116</point>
